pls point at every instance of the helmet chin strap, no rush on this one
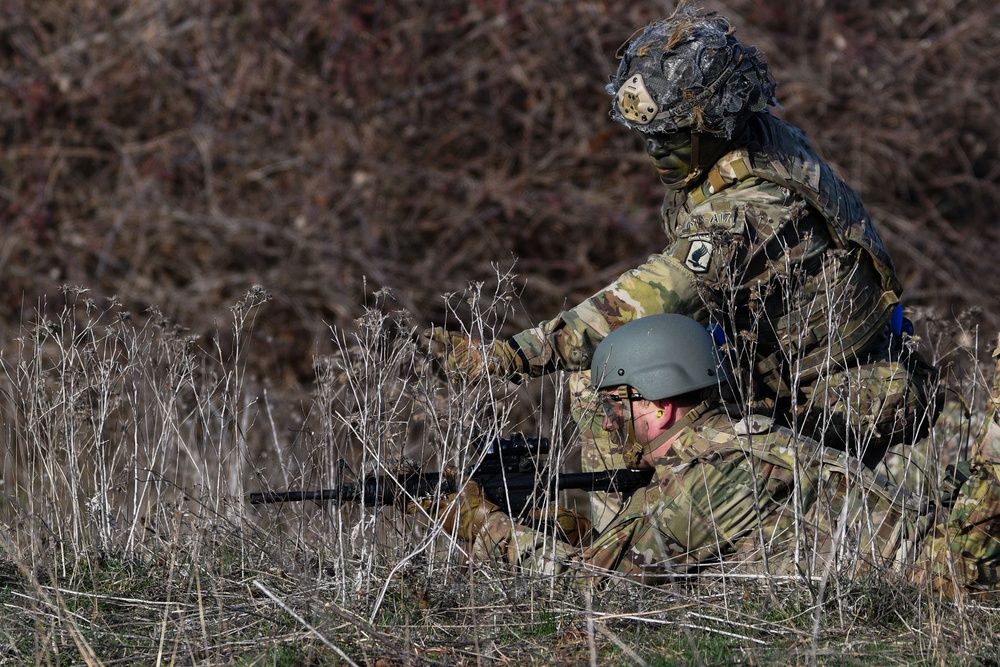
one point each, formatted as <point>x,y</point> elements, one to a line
<point>697,171</point>
<point>635,453</point>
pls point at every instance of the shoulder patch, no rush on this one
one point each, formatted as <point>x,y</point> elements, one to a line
<point>699,254</point>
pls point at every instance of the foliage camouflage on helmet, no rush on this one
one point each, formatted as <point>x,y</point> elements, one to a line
<point>659,356</point>
<point>689,70</point>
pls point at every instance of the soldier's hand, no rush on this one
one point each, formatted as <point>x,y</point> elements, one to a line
<point>570,525</point>
<point>469,356</point>
<point>461,514</point>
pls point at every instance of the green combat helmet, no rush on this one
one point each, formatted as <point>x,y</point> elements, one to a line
<point>660,356</point>
<point>689,71</point>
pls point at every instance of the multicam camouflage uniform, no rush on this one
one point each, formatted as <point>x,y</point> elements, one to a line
<point>753,497</point>
<point>769,243</point>
<point>988,439</point>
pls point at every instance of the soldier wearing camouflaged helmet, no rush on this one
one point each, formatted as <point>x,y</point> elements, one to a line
<point>763,239</point>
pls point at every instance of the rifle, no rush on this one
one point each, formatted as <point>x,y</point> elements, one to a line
<point>511,475</point>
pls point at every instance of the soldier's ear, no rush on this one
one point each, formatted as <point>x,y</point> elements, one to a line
<point>664,414</point>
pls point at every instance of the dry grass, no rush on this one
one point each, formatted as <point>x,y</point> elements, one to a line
<point>127,537</point>
<point>357,161</point>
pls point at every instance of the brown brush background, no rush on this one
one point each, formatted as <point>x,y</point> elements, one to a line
<point>175,152</point>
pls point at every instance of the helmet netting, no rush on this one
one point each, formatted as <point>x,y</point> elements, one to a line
<point>698,74</point>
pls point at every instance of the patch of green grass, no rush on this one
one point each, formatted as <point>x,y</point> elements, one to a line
<point>284,656</point>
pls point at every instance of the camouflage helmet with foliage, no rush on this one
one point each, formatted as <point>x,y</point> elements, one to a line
<point>689,70</point>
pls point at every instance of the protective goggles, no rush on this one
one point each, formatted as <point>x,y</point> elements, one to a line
<point>613,404</point>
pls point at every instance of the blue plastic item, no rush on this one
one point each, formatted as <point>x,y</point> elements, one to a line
<point>896,321</point>
<point>718,334</point>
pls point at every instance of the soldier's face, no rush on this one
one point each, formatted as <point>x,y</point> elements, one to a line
<point>627,416</point>
<point>671,155</point>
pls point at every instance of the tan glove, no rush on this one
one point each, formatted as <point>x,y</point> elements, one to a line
<point>463,517</point>
<point>461,353</point>
<point>571,526</point>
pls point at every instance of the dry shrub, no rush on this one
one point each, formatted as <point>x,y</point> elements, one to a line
<point>174,153</point>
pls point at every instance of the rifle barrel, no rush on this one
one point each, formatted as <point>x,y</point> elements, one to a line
<point>265,497</point>
<point>624,480</point>
<point>378,490</point>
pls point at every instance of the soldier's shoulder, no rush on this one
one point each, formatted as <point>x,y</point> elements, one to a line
<point>720,207</point>
<point>738,427</point>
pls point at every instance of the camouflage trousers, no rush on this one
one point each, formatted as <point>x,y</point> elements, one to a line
<point>769,505</point>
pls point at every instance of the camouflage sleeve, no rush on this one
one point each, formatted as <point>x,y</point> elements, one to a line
<point>715,243</point>
<point>535,551</point>
<point>661,285</point>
